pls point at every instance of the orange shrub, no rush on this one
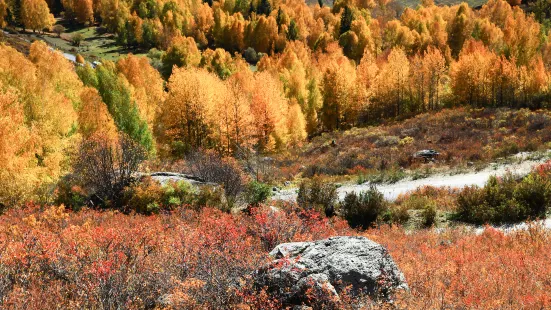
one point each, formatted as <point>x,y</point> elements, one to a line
<point>53,258</point>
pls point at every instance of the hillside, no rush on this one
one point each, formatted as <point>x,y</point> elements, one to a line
<point>463,137</point>
<point>413,4</point>
<point>270,154</point>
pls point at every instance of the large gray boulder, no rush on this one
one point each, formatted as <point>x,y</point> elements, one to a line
<point>328,267</point>
<point>164,177</point>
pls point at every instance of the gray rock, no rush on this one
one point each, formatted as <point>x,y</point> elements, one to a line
<point>334,264</point>
<point>164,177</point>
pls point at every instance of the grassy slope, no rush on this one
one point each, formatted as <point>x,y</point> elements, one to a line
<point>96,45</point>
<point>463,137</point>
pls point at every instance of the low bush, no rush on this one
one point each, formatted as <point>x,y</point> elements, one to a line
<point>77,39</point>
<point>363,209</point>
<point>396,214</point>
<point>211,196</point>
<point>315,194</point>
<point>257,193</point>
<point>179,193</point>
<point>226,171</point>
<point>68,194</point>
<point>148,197</point>
<point>104,169</point>
<point>505,200</point>
<point>429,215</point>
<point>184,260</point>
<point>143,197</point>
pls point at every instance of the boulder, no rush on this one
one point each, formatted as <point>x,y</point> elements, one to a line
<point>164,177</point>
<point>332,265</point>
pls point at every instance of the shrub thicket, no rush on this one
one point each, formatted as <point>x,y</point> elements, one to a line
<point>105,169</point>
<point>257,193</point>
<point>226,171</point>
<point>363,209</point>
<point>505,200</point>
<point>315,194</point>
<point>429,215</point>
<point>149,196</point>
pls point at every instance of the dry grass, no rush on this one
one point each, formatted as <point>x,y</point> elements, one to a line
<point>462,136</point>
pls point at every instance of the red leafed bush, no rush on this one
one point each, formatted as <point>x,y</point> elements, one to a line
<point>460,270</point>
<point>91,259</point>
<point>52,258</point>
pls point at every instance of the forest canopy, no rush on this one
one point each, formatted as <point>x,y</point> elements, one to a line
<point>316,69</point>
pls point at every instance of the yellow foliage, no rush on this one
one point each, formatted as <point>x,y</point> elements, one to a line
<point>38,122</point>
<point>148,86</point>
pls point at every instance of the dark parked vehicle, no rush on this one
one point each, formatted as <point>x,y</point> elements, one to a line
<point>426,155</point>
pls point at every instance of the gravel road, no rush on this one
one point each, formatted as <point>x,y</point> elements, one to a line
<point>520,164</point>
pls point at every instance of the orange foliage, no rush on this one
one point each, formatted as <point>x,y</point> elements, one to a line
<point>187,257</point>
<point>193,260</point>
<point>148,86</point>
<point>455,269</point>
<point>93,117</point>
<point>47,98</point>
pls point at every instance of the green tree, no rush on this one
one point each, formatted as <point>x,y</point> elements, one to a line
<point>279,19</point>
<point>459,30</point>
<point>346,20</point>
<point>265,7</point>
<point>120,104</point>
<point>292,32</point>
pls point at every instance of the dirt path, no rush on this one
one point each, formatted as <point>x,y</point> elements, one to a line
<point>520,165</point>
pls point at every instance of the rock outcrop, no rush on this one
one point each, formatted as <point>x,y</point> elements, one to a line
<point>165,177</point>
<point>328,267</point>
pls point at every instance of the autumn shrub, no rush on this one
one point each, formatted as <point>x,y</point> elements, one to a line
<point>257,193</point>
<point>416,202</point>
<point>105,168</point>
<point>148,196</point>
<point>226,171</point>
<point>211,196</point>
<point>80,59</point>
<point>456,269</point>
<point>505,200</point>
<point>69,194</point>
<point>396,214</point>
<point>179,193</point>
<point>318,195</point>
<point>363,209</point>
<point>192,259</point>
<point>506,149</point>
<point>443,197</point>
<point>143,197</point>
<point>76,39</point>
<point>429,215</point>
<point>58,29</point>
